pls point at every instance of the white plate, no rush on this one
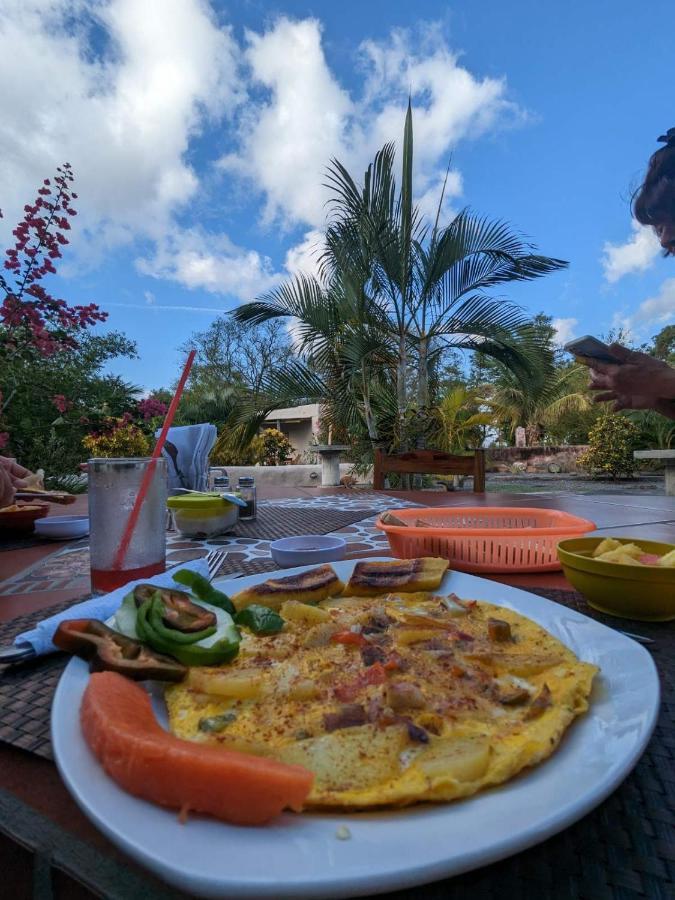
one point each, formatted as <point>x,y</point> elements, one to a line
<point>300,855</point>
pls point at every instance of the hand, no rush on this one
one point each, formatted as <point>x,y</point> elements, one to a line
<point>6,488</point>
<point>639,382</point>
<point>14,473</point>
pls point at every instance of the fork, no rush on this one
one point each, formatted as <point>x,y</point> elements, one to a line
<point>214,559</point>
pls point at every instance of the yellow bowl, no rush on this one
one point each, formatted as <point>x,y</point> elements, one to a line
<point>646,593</point>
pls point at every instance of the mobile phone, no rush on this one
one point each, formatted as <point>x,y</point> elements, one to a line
<point>592,348</point>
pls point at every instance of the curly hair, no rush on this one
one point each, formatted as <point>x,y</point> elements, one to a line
<point>654,201</point>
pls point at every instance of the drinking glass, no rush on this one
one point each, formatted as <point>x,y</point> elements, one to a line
<point>113,488</point>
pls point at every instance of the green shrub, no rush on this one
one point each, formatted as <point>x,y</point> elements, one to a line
<point>275,448</point>
<point>269,448</point>
<point>611,443</point>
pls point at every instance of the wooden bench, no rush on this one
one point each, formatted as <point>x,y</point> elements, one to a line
<point>430,462</point>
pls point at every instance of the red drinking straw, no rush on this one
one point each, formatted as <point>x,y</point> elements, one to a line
<point>147,476</point>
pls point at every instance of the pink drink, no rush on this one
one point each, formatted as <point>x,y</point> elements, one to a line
<point>113,487</point>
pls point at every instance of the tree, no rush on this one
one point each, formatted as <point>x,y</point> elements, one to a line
<point>612,441</point>
<point>664,344</point>
<point>394,294</point>
<point>58,398</point>
<point>537,404</point>
<point>232,355</point>
<point>460,420</point>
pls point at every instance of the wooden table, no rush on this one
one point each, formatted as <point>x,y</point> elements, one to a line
<point>64,852</point>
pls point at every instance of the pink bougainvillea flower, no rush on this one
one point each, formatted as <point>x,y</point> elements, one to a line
<point>149,408</point>
<point>61,403</point>
<point>4,439</point>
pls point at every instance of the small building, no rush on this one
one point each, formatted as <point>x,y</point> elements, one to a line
<point>300,424</point>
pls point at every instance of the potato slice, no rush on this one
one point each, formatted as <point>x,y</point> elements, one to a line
<point>405,636</point>
<point>303,613</point>
<point>351,759</point>
<point>237,685</point>
<point>459,759</point>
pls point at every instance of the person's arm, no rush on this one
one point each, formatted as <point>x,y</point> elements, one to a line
<point>639,381</point>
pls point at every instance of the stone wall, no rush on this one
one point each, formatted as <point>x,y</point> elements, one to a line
<point>534,459</point>
<point>286,476</point>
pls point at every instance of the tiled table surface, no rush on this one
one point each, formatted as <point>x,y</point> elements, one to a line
<point>68,566</point>
<point>651,516</point>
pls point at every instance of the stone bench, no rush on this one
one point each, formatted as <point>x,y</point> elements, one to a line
<point>668,457</point>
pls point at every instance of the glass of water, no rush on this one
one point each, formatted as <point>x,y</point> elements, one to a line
<point>113,487</point>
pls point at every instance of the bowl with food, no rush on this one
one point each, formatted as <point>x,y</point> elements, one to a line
<point>19,518</point>
<point>627,577</point>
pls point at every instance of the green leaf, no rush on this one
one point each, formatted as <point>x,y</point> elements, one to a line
<point>259,619</point>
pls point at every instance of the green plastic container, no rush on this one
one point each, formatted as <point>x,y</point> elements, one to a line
<point>202,515</point>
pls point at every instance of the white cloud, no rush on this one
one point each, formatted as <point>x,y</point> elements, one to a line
<point>636,255</point>
<point>303,117</point>
<point>655,311</point>
<point>288,139</point>
<point>149,297</point>
<point>166,307</point>
<point>198,259</point>
<point>565,330</point>
<point>122,90</point>
<point>123,116</point>
<point>304,256</point>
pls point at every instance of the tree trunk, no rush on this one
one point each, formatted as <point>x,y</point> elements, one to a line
<point>423,374</point>
<point>371,424</point>
<point>401,392</point>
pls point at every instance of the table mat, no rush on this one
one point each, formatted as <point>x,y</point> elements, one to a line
<point>623,849</point>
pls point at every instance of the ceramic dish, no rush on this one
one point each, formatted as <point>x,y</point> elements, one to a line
<point>63,528</point>
<point>646,593</point>
<point>308,550</point>
<point>301,855</point>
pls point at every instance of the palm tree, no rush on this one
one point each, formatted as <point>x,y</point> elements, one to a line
<point>394,293</point>
<point>539,401</point>
<point>460,421</point>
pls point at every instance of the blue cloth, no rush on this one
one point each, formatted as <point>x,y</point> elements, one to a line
<point>187,451</point>
<point>40,638</point>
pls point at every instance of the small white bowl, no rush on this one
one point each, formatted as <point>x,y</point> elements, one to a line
<point>307,550</point>
<point>62,528</point>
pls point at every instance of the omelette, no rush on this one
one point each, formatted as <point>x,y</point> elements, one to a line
<point>391,700</point>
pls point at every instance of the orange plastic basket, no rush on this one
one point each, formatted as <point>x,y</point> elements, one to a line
<point>487,538</point>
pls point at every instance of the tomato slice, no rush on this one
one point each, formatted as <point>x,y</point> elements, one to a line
<point>374,674</point>
<point>349,637</point>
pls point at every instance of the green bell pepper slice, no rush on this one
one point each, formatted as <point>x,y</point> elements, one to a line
<point>173,635</point>
<point>203,589</point>
<point>221,651</point>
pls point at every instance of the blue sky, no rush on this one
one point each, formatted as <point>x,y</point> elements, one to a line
<point>198,134</point>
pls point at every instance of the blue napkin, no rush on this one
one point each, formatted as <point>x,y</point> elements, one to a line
<point>40,638</point>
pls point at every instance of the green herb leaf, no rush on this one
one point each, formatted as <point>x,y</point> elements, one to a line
<point>259,619</point>
<point>217,723</point>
